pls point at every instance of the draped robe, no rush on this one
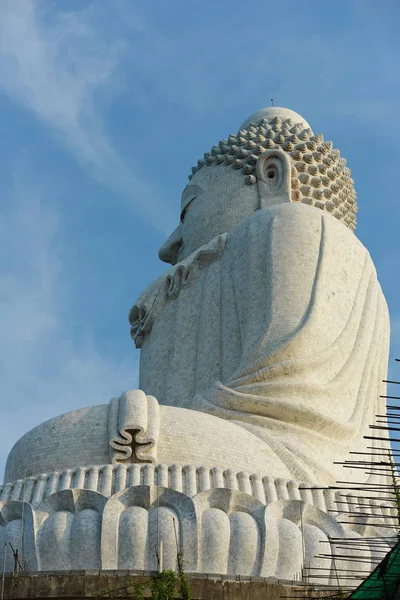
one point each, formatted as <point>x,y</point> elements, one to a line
<point>279,326</point>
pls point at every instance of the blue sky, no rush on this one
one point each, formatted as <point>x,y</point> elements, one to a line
<point>104,107</point>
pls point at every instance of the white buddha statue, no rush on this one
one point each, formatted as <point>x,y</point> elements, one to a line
<point>263,348</point>
<point>266,342</point>
<point>272,317</point>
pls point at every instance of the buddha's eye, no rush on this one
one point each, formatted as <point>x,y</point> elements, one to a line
<point>188,203</point>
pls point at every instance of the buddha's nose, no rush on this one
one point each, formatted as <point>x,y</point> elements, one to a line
<point>170,249</point>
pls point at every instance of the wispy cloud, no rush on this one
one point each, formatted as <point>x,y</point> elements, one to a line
<point>56,67</point>
<point>48,364</point>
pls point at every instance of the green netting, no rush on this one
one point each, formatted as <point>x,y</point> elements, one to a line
<point>384,581</point>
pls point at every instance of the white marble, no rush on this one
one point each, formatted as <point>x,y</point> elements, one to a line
<point>263,350</point>
<point>110,479</point>
<point>281,334</point>
<point>219,531</point>
<point>178,436</point>
<point>269,113</point>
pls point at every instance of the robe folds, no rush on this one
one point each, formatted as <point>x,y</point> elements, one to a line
<point>279,326</point>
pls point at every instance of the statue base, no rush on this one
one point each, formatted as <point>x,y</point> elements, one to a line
<point>84,584</point>
<point>113,517</point>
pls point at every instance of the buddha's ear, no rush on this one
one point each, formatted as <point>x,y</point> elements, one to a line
<point>273,171</point>
<point>170,249</point>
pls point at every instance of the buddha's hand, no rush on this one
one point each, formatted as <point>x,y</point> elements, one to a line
<point>133,427</point>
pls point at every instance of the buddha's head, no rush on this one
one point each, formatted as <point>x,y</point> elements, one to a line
<point>274,158</point>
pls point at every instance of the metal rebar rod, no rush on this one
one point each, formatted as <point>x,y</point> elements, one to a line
<point>363,485</point>
<point>385,428</point>
<point>375,538</point>
<point>370,524</point>
<point>379,498</point>
<point>379,547</point>
<point>363,505</point>
<point>356,560</point>
<point>381,439</point>
<point>382,542</point>
<point>367,463</point>
<point>4,571</point>
<point>392,453</point>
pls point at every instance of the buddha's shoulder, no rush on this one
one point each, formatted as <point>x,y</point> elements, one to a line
<point>290,219</point>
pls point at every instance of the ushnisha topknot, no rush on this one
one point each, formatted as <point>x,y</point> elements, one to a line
<point>319,174</point>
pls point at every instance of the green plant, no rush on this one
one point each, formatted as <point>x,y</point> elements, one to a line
<point>185,589</point>
<point>135,590</point>
<point>162,585</point>
<point>395,483</point>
